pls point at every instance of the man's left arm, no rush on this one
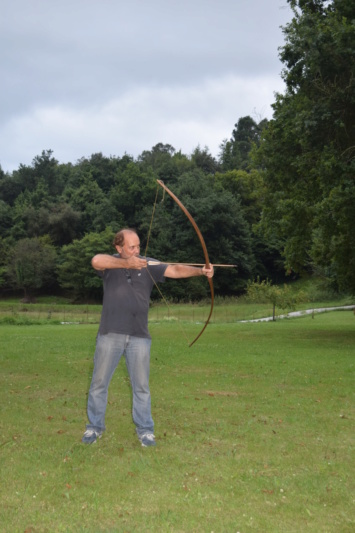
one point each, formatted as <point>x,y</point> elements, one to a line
<point>186,271</point>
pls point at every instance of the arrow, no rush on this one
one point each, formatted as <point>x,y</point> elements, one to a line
<point>154,263</point>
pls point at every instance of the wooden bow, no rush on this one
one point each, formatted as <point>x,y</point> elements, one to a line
<point>203,244</point>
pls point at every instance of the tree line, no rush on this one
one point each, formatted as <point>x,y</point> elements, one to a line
<point>55,217</point>
<point>278,200</point>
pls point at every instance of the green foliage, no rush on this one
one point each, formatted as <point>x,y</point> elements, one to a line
<point>5,218</point>
<point>104,170</point>
<point>75,272</point>
<point>235,153</point>
<point>63,223</point>
<point>134,190</point>
<point>161,160</point>
<point>249,187</point>
<point>31,265</point>
<point>204,160</point>
<point>280,296</point>
<point>308,148</point>
<point>2,276</point>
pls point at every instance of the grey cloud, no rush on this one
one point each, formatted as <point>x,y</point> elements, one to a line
<point>82,54</point>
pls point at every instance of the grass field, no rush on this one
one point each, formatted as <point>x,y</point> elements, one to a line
<point>254,426</point>
<point>59,310</point>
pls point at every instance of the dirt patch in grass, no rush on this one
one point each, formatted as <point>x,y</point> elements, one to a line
<point>221,393</point>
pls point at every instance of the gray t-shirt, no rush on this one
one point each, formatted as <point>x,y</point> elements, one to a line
<point>126,299</point>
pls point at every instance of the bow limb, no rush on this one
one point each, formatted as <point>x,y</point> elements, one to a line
<point>204,248</point>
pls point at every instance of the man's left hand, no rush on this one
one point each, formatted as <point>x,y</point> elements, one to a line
<point>208,271</point>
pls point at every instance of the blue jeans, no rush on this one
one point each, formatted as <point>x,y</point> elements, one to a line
<point>109,350</point>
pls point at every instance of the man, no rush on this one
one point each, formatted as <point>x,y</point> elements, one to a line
<point>128,281</point>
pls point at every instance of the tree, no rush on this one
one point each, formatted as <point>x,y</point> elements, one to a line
<point>103,169</point>
<point>87,200</point>
<point>160,153</point>
<point>249,187</point>
<point>5,218</point>
<point>45,169</point>
<point>135,190</point>
<point>308,148</point>
<point>235,152</point>
<point>282,297</point>
<point>63,224</point>
<point>31,266</point>
<point>162,160</point>
<point>75,272</point>
<point>10,188</point>
<point>204,160</point>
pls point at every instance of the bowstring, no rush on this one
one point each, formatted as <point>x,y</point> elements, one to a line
<point>145,255</point>
<point>151,221</point>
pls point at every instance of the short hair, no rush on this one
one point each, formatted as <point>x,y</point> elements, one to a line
<point>119,237</point>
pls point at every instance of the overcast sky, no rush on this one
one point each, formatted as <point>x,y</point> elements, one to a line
<point>119,76</point>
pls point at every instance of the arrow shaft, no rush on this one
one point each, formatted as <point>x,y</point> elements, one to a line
<point>153,263</point>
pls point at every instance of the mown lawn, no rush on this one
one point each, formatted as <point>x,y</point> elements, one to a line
<point>254,425</point>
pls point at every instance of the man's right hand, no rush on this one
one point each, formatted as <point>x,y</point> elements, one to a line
<point>136,262</point>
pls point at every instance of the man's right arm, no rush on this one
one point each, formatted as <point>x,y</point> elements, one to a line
<point>105,261</point>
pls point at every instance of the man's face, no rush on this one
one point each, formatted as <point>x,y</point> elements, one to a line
<point>131,245</point>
